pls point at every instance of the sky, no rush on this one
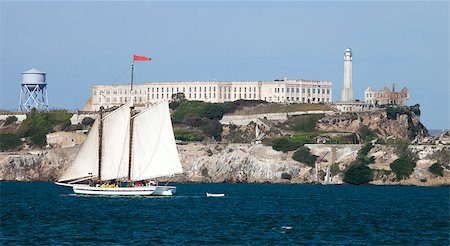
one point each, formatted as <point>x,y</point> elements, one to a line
<point>79,44</point>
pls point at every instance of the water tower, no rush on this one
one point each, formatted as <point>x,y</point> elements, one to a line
<point>33,92</point>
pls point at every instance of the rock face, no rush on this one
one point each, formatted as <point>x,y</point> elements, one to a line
<point>403,127</point>
<point>239,163</point>
<point>45,165</point>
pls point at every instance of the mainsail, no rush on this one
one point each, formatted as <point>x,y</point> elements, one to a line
<point>116,144</point>
<point>154,151</point>
<point>86,161</point>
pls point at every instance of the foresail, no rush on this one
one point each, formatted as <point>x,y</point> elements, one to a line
<point>116,144</point>
<point>154,150</point>
<point>85,162</point>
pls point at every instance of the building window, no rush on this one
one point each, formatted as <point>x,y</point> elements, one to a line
<point>303,90</point>
<point>314,91</point>
<point>287,90</point>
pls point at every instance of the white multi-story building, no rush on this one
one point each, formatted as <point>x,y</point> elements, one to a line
<point>282,91</point>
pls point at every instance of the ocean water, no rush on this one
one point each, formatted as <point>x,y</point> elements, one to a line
<point>43,213</point>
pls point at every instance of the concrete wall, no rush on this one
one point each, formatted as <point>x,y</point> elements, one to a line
<point>246,119</point>
<point>20,117</point>
<point>65,139</point>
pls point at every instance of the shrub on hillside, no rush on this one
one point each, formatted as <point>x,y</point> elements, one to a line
<point>362,153</point>
<point>72,128</point>
<point>436,169</point>
<point>186,135</point>
<point>10,120</point>
<point>286,176</point>
<point>304,123</point>
<point>212,128</point>
<point>366,134</point>
<point>358,173</point>
<point>43,122</point>
<point>9,141</point>
<point>285,144</point>
<point>39,138</point>
<point>87,121</point>
<point>193,121</point>
<point>334,169</point>
<point>403,167</point>
<point>303,155</point>
<point>188,108</point>
<point>212,111</point>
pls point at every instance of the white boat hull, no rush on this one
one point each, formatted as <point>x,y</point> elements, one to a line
<point>215,195</point>
<point>119,191</point>
<point>165,191</point>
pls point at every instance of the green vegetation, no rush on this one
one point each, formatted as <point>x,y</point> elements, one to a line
<point>186,135</point>
<point>38,124</point>
<point>403,167</point>
<point>9,141</point>
<point>347,139</point>
<point>393,110</point>
<point>303,155</point>
<point>436,169</point>
<point>10,120</point>
<point>87,121</point>
<point>188,109</point>
<point>366,134</point>
<point>334,169</point>
<point>286,176</point>
<point>39,138</point>
<point>304,123</point>
<point>286,144</point>
<point>358,172</point>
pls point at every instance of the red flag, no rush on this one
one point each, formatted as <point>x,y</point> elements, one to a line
<point>141,58</point>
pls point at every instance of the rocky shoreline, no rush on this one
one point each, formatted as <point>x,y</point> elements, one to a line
<point>238,163</point>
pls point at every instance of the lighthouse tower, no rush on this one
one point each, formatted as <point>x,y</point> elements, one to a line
<point>347,91</point>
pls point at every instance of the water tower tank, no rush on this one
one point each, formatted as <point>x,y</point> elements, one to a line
<point>33,78</point>
<point>33,91</point>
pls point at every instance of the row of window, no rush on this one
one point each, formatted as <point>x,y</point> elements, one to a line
<point>209,89</point>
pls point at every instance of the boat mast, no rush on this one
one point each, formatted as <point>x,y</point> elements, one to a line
<point>100,141</point>
<point>131,126</point>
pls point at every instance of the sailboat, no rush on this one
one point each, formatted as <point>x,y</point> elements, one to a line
<point>124,152</point>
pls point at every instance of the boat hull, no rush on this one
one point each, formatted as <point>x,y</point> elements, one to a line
<point>119,191</point>
<point>215,195</point>
<point>165,191</point>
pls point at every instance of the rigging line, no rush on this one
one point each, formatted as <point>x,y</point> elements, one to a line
<point>118,77</point>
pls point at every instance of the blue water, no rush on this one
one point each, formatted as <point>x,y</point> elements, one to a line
<point>42,213</point>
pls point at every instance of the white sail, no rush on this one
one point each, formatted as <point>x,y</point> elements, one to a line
<point>154,150</point>
<point>116,144</point>
<point>86,161</point>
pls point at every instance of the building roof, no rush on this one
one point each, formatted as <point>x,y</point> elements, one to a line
<point>33,70</point>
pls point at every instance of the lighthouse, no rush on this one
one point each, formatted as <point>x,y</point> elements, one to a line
<point>347,91</point>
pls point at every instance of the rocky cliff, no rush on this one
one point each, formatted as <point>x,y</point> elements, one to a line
<point>238,163</point>
<point>403,127</point>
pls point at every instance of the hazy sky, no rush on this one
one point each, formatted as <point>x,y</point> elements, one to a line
<point>80,44</point>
